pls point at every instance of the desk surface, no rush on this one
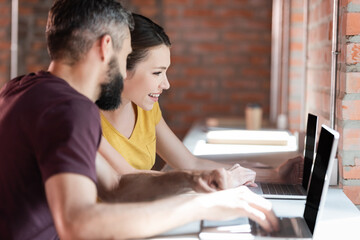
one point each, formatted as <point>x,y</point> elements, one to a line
<point>340,218</point>
<point>271,156</point>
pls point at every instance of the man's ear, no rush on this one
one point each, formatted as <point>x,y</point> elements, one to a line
<point>106,47</point>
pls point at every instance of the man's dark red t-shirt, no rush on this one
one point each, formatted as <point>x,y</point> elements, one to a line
<point>46,128</point>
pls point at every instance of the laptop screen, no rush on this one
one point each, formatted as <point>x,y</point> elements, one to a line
<point>311,130</point>
<point>315,190</point>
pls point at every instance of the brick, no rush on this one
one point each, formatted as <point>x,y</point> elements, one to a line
<point>241,36</point>
<point>296,62</point>
<point>150,12</point>
<point>297,18</point>
<point>144,3</point>
<point>198,96</point>
<point>207,48</point>
<point>258,97</point>
<point>202,3</point>
<point>199,71</point>
<point>5,45</point>
<point>5,11</point>
<point>353,53</point>
<point>350,109</point>
<point>239,84</point>
<point>230,60</point>
<point>183,60</point>
<point>350,139</point>
<point>231,13</point>
<point>297,4</point>
<point>353,23</point>
<point>4,22</point>
<point>200,36</point>
<point>168,3</point>
<point>188,12</point>
<point>216,108</point>
<point>250,72</point>
<point>296,46</point>
<point>352,172</point>
<point>181,107</point>
<point>353,193</point>
<point>206,83</point>
<point>296,32</point>
<point>25,11</point>
<point>352,82</point>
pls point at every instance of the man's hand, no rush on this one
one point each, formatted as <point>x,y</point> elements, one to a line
<point>236,202</point>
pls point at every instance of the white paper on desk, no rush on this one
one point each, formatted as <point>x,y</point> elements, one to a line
<point>238,228</point>
<point>189,228</point>
<point>224,235</point>
<point>248,137</point>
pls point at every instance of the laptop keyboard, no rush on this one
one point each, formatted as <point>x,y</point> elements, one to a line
<point>286,229</point>
<point>280,189</point>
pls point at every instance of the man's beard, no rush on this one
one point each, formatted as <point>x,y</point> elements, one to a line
<point>110,95</point>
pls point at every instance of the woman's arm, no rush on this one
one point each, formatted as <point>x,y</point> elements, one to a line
<point>173,151</point>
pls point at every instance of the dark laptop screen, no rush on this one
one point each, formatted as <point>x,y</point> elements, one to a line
<point>326,140</point>
<point>311,130</point>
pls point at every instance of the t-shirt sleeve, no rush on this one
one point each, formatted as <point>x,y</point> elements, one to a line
<point>157,113</point>
<point>67,138</point>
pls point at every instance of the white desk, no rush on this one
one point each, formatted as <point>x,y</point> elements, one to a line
<point>340,219</point>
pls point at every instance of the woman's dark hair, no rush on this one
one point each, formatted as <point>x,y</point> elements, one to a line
<point>74,25</point>
<point>146,34</point>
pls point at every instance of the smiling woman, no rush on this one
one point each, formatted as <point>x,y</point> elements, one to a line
<point>136,131</point>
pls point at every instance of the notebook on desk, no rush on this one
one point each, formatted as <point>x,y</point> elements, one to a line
<point>291,228</point>
<point>248,137</point>
<point>294,191</point>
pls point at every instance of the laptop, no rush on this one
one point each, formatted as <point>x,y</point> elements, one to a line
<point>294,191</point>
<point>293,227</point>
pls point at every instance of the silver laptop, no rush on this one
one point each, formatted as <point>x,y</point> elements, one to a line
<point>294,191</point>
<point>291,228</point>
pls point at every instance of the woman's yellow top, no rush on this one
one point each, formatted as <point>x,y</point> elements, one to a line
<point>140,149</point>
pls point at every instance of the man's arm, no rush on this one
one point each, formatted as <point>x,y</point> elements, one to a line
<point>77,215</point>
<point>145,186</point>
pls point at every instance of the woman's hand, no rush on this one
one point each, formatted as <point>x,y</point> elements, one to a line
<point>291,171</point>
<point>242,176</point>
<point>221,178</point>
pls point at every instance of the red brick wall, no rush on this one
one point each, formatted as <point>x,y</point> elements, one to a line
<point>348,101</point>
<point>318,75</point>
<point>220,57</point>
<point>296,63</point>
<point>33,55</point>
<point>319,59</point>
<point>5,40</point>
